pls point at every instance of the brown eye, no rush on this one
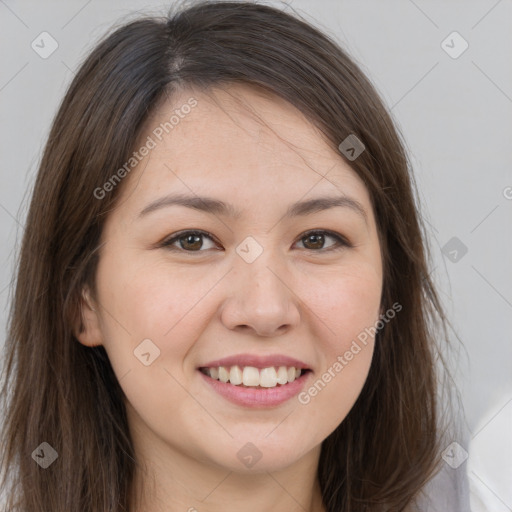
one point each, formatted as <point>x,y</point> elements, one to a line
<point>193,241</point>
<point>189,241</point>
<point>315,240</point>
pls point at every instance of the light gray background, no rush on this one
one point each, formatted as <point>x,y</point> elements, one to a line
<point>455,114</point>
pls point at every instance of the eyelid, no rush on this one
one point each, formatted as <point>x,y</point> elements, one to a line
<point>342,241</point>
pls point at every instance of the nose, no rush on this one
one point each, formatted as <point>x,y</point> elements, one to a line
<point>260,298</point>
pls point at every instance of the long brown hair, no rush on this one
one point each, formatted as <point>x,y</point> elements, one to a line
<point>58,391</point>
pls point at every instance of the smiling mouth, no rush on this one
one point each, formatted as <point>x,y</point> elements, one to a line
<point>252,377</point>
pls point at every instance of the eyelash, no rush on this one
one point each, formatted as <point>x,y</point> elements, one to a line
<point>341,241</point>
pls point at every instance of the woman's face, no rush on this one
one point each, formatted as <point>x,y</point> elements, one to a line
<point>253,296</point>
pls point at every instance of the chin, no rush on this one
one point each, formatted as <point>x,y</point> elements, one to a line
<point>260,456</point>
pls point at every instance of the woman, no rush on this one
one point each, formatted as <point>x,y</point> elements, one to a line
<point>291,365</point>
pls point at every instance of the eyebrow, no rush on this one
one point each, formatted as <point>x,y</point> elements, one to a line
<point>217,207</point>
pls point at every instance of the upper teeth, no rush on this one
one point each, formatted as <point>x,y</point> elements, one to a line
<point>251,376</point>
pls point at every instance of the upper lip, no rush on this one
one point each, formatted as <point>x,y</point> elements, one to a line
<point>257,361</point>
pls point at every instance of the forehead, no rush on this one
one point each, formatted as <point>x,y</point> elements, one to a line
<point>237,115</point>
<point>239,139</point>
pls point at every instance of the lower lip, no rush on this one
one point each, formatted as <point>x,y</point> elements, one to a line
<point>257,397</point>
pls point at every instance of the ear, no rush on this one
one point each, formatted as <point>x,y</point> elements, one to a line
<point>87,330</point>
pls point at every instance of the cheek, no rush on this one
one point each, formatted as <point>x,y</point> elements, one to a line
<point>347,301</point>
<point>146,299</point>
<point>149,327</point>
<point>349,309</point>
<point>142,311</point>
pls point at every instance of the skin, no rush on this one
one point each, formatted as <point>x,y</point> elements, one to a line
<point>296,298</point>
